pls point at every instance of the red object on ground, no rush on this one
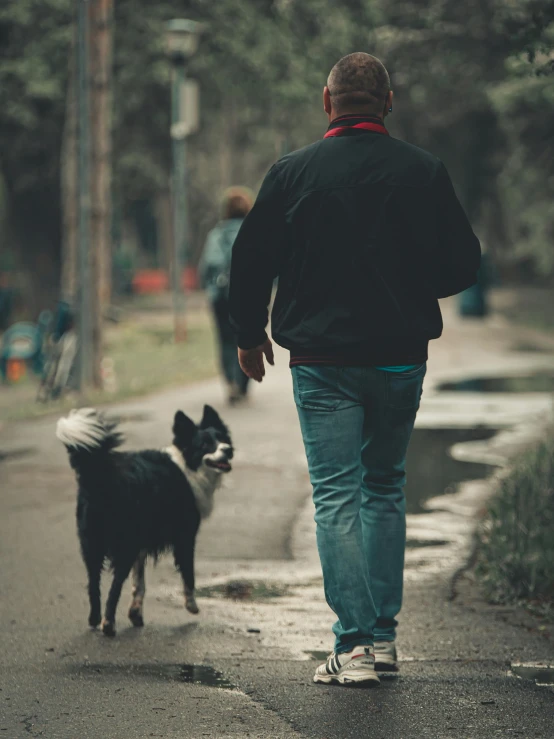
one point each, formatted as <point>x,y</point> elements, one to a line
<point>154,281</point>
<point>150,281</point>
<point>16,370</point>
<point>189,280</point>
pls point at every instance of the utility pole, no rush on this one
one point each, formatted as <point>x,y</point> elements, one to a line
<point>100,80</point>
<point>69,183</point>
<point>84,309</point>
<point>93,114</point>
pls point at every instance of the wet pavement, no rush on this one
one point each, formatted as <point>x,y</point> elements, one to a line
<point>243,667</point>
<point>205,675</point>
<point>541,675</point>
<point>443,476</point>
<point>535,383</point>
<point>244,590</point>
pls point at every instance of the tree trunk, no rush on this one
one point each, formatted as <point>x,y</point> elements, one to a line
<point>101,25</point>
<point>69,193</point>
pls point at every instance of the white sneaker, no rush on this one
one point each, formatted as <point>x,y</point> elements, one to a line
<point>348,668</point>
<point>385,656</point>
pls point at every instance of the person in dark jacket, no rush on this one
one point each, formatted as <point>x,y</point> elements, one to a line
<point>365,234</point>
<point>214,269</point>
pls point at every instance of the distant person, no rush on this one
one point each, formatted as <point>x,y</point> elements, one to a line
<point>365,233</point>
<point>473,302</point>
<point>215,268</point>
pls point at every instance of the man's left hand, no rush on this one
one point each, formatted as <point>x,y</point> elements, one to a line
<point>252,360</point>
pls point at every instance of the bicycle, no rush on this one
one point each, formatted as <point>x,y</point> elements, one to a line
<point>60,355</point>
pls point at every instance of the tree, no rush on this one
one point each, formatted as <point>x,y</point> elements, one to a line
<point>34,39</point>
<point>473,83</point>
<point>524,102</point>
<point>451,63</point>
<point>101,34</point>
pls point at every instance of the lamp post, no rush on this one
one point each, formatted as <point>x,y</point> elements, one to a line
<point>182,36</point>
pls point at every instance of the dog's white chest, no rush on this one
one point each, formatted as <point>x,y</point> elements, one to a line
<point>204,481</point>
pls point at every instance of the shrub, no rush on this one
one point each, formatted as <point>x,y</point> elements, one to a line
<point>516,557</point>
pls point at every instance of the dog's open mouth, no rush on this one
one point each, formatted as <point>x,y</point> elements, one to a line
<point>221,465</point>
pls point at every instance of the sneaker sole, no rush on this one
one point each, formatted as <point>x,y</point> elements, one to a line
<point>367,678</point>
<point>386,666</point>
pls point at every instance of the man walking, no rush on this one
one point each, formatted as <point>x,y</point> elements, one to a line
<point>365,233</point>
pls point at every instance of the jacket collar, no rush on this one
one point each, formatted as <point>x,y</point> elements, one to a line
<point>354,124</point>
<point>352,120</point>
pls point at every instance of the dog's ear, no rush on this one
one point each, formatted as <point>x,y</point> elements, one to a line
<point>211,420</point>
<point>184,429</point>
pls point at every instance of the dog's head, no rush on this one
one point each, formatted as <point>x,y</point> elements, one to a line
<point>208,443</point>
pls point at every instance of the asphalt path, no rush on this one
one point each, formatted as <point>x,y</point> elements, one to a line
<point>60,680</point>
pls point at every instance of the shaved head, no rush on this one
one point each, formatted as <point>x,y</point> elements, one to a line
<point>359,82</point>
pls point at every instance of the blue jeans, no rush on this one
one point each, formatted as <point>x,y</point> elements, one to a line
<point>356,423</point>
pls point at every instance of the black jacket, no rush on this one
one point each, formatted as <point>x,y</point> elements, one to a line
<point>364,232</point>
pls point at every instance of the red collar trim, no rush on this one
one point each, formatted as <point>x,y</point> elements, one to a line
<point>365,125</point>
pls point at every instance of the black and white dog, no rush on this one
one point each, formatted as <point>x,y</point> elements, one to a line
<point>132,505</point>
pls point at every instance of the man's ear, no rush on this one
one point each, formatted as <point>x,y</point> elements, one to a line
<point>388,104</point>
<point>184,429</point>
<point>211,420</point>
<point>327,100</point>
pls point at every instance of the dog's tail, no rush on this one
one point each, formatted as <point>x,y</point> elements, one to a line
<point>87,434</point>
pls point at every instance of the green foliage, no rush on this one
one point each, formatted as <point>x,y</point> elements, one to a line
<point>475,86</point>
<point>261,68</point>
<point>524,102</point>
<point>516,559</point>
<point>472,80</point>
<point>34,41</point>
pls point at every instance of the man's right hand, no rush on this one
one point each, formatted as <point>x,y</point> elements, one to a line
<point>252,360</point>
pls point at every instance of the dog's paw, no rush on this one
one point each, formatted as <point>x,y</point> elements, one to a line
<point>135,617</point>
<point>108,627</point>
<point>191,606</point>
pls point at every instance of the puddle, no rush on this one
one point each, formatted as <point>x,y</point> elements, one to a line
<point>540,674</point>
<point>537,383</point>
<point>204,675</point>
<point>244,590</point>
<point>194,674</point>
<point>16,453</point>
<point>418,543</point>
<point>431,471</point>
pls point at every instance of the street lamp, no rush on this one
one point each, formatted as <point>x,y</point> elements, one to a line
<point>182,40</point>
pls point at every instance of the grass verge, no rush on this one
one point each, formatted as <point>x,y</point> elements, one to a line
<point>516,556</point>
<point>145,359</point>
